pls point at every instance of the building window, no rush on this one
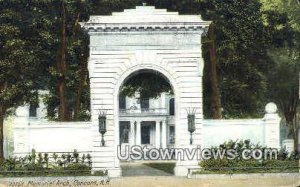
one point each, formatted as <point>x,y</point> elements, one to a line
<point>33,110</point>
<point>171,107</point>
<point>145,103</point>
<point>122,101</point>
<point>124,132</point>
<point>171,135</point>
<point>145,134</point>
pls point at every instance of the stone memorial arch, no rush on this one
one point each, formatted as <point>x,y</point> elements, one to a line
<point>137,40</point>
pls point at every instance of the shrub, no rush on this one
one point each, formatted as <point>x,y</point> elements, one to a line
<point>78,166</point>
<point>284,163</point>
<point>40,164</point>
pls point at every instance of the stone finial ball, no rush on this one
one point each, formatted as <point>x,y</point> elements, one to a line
<point>22,112</point>
<point>271,108</point>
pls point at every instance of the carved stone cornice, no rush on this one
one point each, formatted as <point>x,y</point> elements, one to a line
<point>142,28</point>
<point>146,19</point>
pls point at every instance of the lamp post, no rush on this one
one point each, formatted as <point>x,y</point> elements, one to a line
<point>191,126</point>
<point>102,127</point>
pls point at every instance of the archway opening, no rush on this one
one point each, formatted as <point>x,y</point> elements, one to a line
<point>146,115</point>
<point>146,110</point>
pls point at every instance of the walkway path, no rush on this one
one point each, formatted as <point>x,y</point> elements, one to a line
<point>136,174</point>
<point>171,181</point>
<point>139,169</point>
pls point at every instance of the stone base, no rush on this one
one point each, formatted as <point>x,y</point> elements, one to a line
<point>181,171</point>
<point>112,172</point>
<point>185,171</point>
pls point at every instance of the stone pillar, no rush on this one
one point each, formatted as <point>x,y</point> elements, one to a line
<point>185,166</point>
<point>138,133</point>
<point>272,126</point>
<point>132,134</point>
<point>164,134</point>
<point>163,101</point>
<point>42,109</point>
<point>157,134</point>
<point>288,144</point>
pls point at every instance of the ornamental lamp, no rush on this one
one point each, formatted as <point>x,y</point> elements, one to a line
<point>102,126</point>
<point>191,124</point>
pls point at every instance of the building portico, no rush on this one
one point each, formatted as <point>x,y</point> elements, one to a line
<point>152,133</point>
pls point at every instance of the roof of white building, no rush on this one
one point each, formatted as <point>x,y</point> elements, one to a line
<point>145,18</point>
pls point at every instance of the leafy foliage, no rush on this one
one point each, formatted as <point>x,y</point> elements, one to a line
<point>20,53</point>
<point>148,84</point>
<point>284,163</point>
<point>241,56</point>
<point>68,59</point>
<point>283,76</point>
<point>43,164</point>
<point>30,52</point>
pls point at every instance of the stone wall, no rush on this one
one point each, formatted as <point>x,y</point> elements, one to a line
<point>52,137</point>
<point>67,136</point>
<point>264,131</point>
<point>216,132</point>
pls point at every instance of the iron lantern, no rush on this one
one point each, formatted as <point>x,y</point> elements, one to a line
<point>102,127</point>
<point>191,126</point>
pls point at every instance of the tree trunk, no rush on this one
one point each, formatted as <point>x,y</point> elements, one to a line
<point>82,69</point>
<point>215,99</point>
<point>62,68</point>
<point>2,112</point>
<point>82,73</point>
<point>295,137</point>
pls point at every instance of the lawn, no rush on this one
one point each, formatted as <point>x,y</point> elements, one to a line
<point>166,167</point>
<point>50,173</point>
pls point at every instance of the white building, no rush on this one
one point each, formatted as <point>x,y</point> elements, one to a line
<point>147,122</point>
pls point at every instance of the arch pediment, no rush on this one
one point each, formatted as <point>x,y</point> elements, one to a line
<point>145,18</point>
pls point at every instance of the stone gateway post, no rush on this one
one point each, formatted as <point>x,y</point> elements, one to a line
<point>145,39</point>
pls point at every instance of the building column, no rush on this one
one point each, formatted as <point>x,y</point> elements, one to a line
<point>132,134</point>
<point>138,133</point>
<point>157,134</point>
<point>164,134</point>
<point>271,122</point>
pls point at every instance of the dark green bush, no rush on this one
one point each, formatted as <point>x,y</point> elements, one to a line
<point>39,164</point>
<point>77,166</point>
<point>284,163</point>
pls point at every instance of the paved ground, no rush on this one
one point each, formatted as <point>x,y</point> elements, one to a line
<point>139,175</point>
<point>170,181</point>
<point>139,169</point>
<point>135,174</point>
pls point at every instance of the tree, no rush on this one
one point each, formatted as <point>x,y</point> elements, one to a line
<point>284,36</point>
<point>20,51</point>
<point>148,84</point>
<point>213,78</point>
<point>284,86</point>
<point>241,63</point>
<point>289,7</point>
<point>67,71</point>
<point>69,32</point>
